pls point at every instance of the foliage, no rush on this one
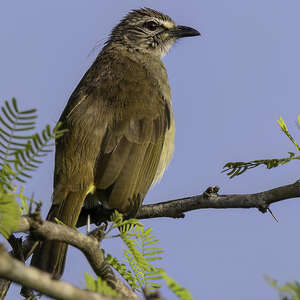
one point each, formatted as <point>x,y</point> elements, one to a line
<point>139,253</point>
<point>141,250</point>
<point>122,270</point>
<point>20,153</point>
<point>24,201</point>
<point>100,286</point>
<point>177,289</point>
<point>9,212</point>
<point>237,168</point>
<point>287,291</point>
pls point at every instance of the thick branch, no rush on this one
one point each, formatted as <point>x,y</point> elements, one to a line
<point>16,271</point>
<point>209,199</point>
<point>89,245</point>
<point>27,247</point>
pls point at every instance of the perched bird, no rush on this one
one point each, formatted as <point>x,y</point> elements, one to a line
<point>120,125</point>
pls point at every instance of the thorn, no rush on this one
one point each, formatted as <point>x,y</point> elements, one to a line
<point>36,215</point>
<point>269,210</point>
<point>88,223</point>
<point>30,204</point>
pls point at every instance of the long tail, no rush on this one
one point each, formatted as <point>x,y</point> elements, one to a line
<point>50,256</point>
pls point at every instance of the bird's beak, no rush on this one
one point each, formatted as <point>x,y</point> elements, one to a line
<point>184,31</point>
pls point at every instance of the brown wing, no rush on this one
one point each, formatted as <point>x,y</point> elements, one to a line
<point>128,163</point>
<point>137,103</point>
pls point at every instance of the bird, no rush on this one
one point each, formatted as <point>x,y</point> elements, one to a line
<point>120,127</point>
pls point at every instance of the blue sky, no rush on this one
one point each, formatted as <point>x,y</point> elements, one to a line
<point>229,87</point>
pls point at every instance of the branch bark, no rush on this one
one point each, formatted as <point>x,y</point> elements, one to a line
<point>88,244</point>
<point>209,199</point>
<point>15,270</point>
<point>27,248</point>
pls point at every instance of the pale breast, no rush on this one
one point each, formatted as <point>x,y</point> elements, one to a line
<point>167,152</point>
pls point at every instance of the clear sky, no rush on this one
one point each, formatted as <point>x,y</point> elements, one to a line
<point>229,87</point>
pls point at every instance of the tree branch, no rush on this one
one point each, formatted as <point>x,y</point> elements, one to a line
<point>27,248</point>
<point>209,199</point>
<point>16,271</point>
<point>88,244</point>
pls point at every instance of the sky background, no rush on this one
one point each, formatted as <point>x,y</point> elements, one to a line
<point>229,87</point>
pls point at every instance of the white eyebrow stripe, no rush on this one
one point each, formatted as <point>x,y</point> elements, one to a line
<point>167,24</point>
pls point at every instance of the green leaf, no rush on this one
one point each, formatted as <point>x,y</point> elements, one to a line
<point>237,168</point>
<point>100,286</point>
<point>286,132</point>
<point>177,289</point>
<point>290,289</point>
<point>9,213</point>
<point>19,146</point>
<point>138,256</point>
<point>122,270</point>
<point>90,282</point>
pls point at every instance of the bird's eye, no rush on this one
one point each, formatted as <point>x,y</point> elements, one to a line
<point>151,25</point>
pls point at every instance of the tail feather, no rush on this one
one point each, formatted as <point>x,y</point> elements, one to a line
<point>50,256</point>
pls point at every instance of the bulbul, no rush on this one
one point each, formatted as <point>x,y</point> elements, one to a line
<point>120,125</point>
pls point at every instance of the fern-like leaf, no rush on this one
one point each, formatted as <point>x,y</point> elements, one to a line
<point>237,168</point>
<point>140,253</point>
<point>12,122</point>
<point>100,286</point>
<point>285,130</point>
<point>288,290</point>
<point>9,212</point>
<point>122,270</point>
<point>177,289</point>
<point>20,149</point>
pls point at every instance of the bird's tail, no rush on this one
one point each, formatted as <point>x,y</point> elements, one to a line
<point>50,256</point>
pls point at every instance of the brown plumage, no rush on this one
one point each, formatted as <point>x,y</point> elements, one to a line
<point>120,127</point>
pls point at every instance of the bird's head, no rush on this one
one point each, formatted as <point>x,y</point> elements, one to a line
<point>149,31</point>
